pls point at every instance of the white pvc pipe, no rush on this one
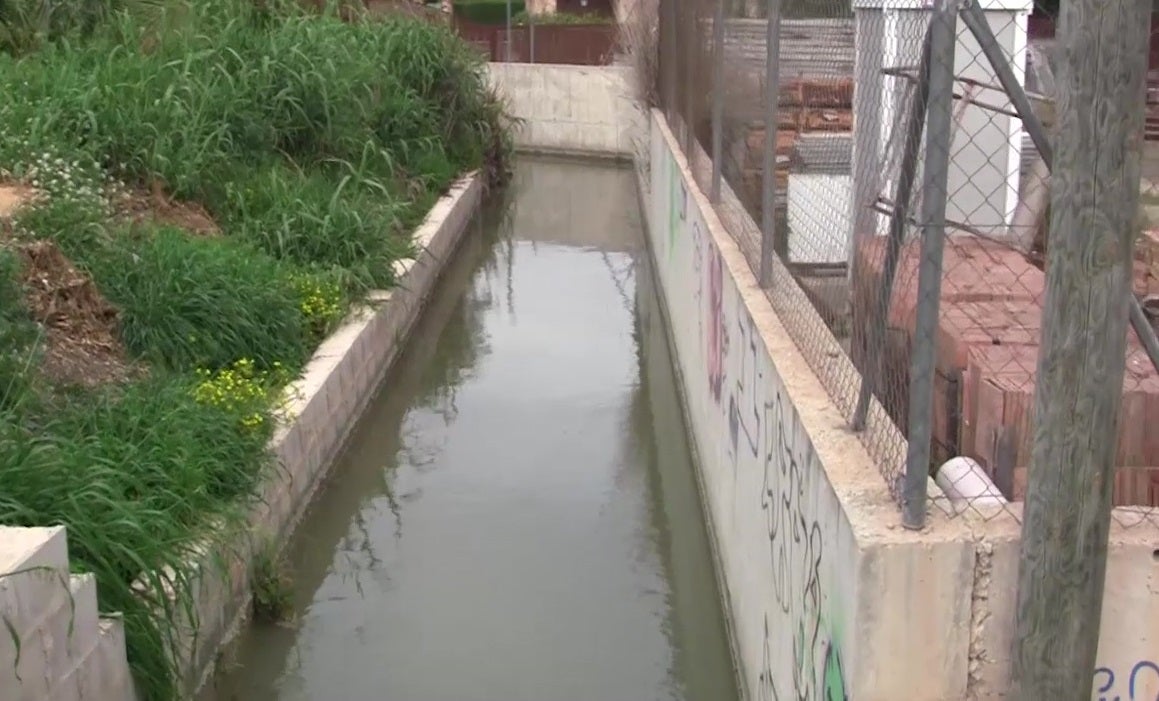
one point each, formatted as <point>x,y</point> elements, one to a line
<point>964,480</point>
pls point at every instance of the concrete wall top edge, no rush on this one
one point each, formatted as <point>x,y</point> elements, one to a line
<point>561,67</point>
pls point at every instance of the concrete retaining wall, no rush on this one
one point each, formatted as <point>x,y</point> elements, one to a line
<point>829,596</point>
<point>575,110</point>
<point>325,404</point>
<point>53,643</point>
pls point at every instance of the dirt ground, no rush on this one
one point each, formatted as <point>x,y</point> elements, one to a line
<point>154,205</point>
<point>81,342</point>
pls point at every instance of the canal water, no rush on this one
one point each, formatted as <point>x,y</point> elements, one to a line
<point>516,517</point>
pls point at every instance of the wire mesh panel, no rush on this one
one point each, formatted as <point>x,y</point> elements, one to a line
<point>886,172</point>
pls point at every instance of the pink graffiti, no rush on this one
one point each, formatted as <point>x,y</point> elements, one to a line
<point>716,336</point>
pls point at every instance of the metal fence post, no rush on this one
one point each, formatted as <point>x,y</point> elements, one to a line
<point>531,35</point>
<point>507,36</point>
<point>899,219</point>
<point>691,32</point>
<point>939,114</point>
<point>772,101</point>
<point>717,98</point>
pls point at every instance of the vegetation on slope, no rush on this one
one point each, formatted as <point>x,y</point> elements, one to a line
<point>215,183</point>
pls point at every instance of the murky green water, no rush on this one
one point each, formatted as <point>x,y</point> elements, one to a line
<point>516,516</point>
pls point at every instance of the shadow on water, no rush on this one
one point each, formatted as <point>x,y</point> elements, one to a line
<point>516,516</point>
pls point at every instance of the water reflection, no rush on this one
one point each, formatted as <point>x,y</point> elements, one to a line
<point>516,517</point>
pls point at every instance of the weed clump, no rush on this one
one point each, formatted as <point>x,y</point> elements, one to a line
<point>308,147</point>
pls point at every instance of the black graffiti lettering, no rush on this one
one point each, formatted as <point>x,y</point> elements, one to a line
<point>744,414</point>
<point>796,545</point>
<point>768,687</point>
<point>683,200</point>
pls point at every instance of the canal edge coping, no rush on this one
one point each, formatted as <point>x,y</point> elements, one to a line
<point>322,407</point>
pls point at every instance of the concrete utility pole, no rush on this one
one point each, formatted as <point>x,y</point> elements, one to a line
<point>1102,47</point>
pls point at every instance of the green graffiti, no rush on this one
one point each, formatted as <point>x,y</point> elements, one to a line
<point>813,681</point>
<point>833,676</point>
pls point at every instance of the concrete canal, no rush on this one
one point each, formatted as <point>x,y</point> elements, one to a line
<point>516,517</point>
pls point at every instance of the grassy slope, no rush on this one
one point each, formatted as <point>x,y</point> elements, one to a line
<point>316,145</point>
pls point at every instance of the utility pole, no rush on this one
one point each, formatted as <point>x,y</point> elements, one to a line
<point>1102,54</point>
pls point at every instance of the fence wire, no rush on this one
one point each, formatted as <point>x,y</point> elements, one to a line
<point>905,251</point>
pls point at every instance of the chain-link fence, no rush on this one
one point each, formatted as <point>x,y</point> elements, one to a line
<point>885,168</point>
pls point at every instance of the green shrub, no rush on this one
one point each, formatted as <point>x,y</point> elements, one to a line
<point>525,18</point>
<point>383,96</point>
<point>487,11</point>
<point>303,218</point>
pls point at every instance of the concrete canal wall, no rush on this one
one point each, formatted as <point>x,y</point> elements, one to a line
<point>829,596</point>
<point>813,557</point>
<point>576,110</point>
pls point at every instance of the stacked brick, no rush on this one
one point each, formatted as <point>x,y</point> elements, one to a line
<point>804,106</point>
<point>989,330</point>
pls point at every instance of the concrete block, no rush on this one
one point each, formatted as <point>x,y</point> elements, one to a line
<point>71,629</point>
<point>27,548</point>
<point>102,673</point>
<point>930,577</point>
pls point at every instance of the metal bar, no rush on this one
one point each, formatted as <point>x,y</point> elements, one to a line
<point>915,123</point>
<point>935,176</point>
<point>688,119</point>
<point>769,181</point>
<point>975,19</point>
<point>668,56</point>
<point>887,206</point>
<point>910,73</point>
<point>507,37</point>
<point>1145,331</point>
<point>717,98</point>
<point>959,96</point>
<point>531,35</point>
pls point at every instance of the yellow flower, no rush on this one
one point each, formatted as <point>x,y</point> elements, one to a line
<point>242,390</point>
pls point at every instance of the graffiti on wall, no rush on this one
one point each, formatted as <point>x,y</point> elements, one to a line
<point>802,659</point>
<point>677,203</point>
<point>796,550</point>
<point>713,328</point>
<point>1140,683</point>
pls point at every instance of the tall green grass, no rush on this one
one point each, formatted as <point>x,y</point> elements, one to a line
<point>189,302</point>
<point>316,144</point>
<point>17,333</point>
<point>133,473</point>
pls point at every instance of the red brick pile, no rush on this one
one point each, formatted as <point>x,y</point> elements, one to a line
<point>989,329</point>
<point>804,106</point>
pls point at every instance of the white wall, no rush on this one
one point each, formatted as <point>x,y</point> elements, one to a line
<point>818,213</point>
<point>570,109</point>
<point>830,597</point>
